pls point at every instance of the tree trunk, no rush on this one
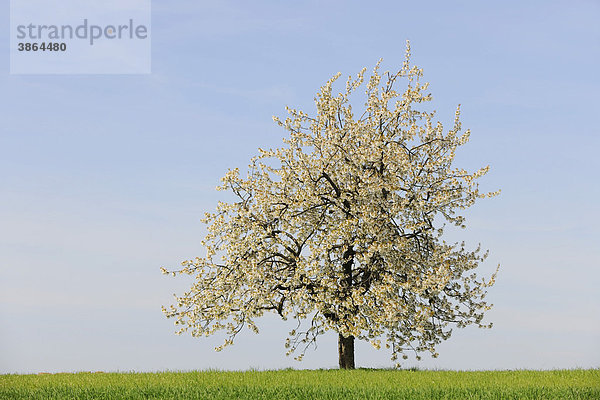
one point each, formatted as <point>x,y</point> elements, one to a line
<point>346,351</point>
<point>346,344</point>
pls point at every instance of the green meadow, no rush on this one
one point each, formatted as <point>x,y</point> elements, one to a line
<point>307,384</point>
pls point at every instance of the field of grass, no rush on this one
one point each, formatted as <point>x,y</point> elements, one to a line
<point>312,384</point>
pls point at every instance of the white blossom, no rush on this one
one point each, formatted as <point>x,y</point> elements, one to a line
<point>339,229</point>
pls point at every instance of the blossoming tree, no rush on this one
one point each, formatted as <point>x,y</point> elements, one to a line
<point>342,229</point>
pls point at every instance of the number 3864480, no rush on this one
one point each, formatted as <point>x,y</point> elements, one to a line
<point>42,46</point>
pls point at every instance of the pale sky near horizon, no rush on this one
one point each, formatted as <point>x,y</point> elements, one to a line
<point>103,179</point>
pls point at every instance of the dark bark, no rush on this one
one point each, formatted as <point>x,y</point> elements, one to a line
<point>346,344</point>
<point>346,351</point>
<point>347,269</point>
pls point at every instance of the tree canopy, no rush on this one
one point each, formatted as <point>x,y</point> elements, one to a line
<point>342,228</point>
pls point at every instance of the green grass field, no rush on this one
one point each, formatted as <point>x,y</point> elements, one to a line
<point>312,384</point>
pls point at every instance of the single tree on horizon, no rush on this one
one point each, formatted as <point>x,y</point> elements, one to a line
<point>342,229</point>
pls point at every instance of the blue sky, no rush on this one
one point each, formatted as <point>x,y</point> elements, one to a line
<point>103,178</point>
